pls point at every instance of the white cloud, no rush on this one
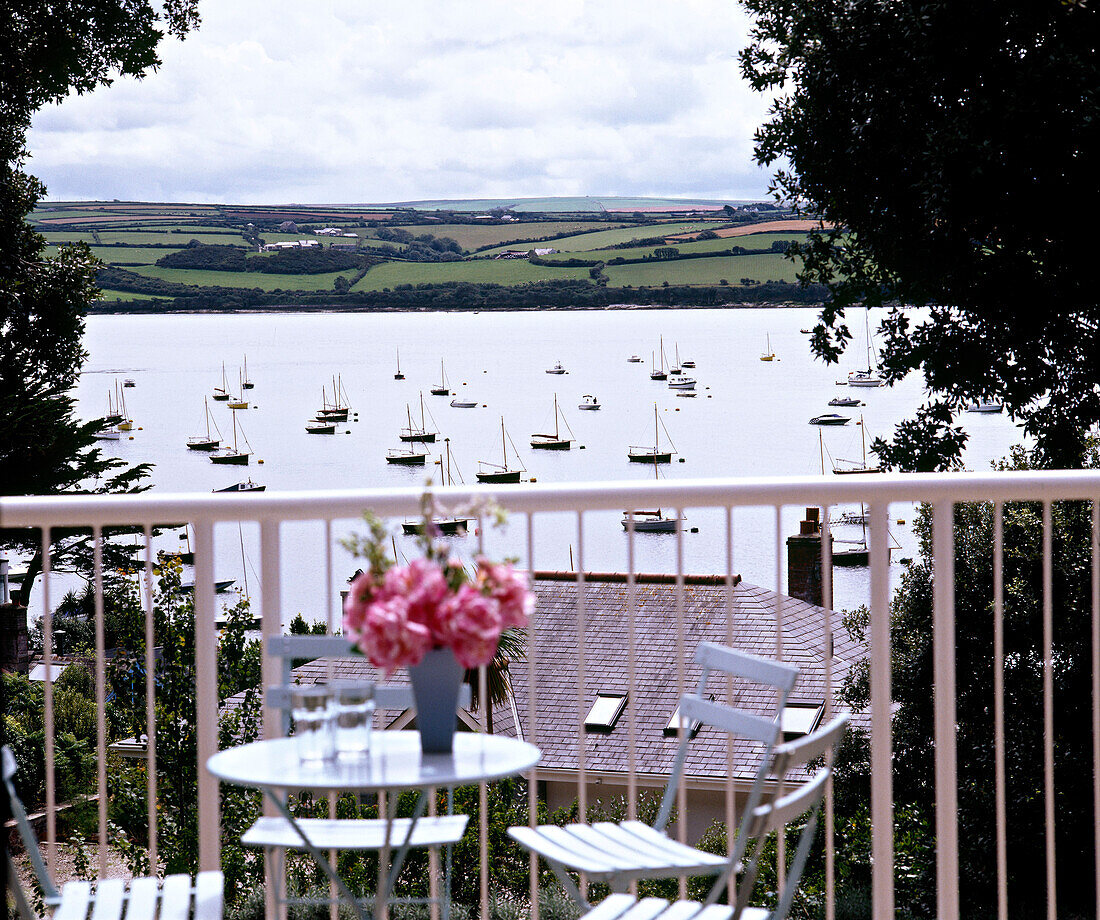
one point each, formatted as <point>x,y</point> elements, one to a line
<point>352,101</point>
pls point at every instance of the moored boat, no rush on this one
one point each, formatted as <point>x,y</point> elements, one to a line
<point>246,486</point>
<point>412,433</point>
<point>321,426</point>
<point>845,401</point>
<point>502,472</point>
<point>443,387</point>
<point>553,441</point>
<point>830,418</point>
<point>205,442</point>
<point>402,457</point>
<point>558,368</point>
<point>681,382</point>
<point>231,455</point>
<point>589,402</point>
<point>652,454</point>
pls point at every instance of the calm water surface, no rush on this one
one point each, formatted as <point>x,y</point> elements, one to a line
<point>748,419</point>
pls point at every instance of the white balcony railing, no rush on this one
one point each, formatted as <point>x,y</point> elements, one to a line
<point>528,504</point>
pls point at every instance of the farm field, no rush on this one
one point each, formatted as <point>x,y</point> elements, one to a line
<point>122,255</point>
<point>473,236</point>
<point>261,280</point>
<point>585,242</point>
<point>125,295</point>
<point>509,271</point>
<point>710,271</point>
<point>757,241</point>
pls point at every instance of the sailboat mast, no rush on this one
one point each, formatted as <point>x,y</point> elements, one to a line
<point>503,443</point>
<point>656,436</point>
<point>555,416</point>
<point>447,444</point>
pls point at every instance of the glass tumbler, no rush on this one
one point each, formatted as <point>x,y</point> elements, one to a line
<point>354,708</point>
<point>312,712</point>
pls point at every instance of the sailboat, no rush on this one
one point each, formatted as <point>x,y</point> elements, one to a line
<point>867,377</point>
<point>232,454</point>
<point>417,434</point>
<point>246,384</point>
<point>856,466</point>
<point>500,473</point>
<point>321,426</point>
<point>651,520</point>
<point>401,456</point>
<point>768,354</point>
<point>652,454</point>
<point>205,442</point>
<point>448,526</point>
<point>337,411</point>
<point>238,402</point>
<point>221,394</point>
<point>125,423</point>
<point>442,388</point>
<point>399,375</point>
<point>677,367</point>
<point>553,441</point>
<point>114,410</point>
<point>658,373</point>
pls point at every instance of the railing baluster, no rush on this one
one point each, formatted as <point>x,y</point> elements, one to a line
<point>681,680</point>
<point>532,723</point>
<point>780,837</point>
<point>882,782</point>
<point>731,792</point>
<point>999,708</point>
<point>1048,709</point>
<point>631,665</point>
<point>47,715</point>
<point>100,694</point>
<point>943,603</point>
<point>827,655</point>
<point>150,697</point>
<point>271,624</point>
<point>1096,695</point>
<point>582,711</point>
<point>483,787</point>
<point>206,695</point>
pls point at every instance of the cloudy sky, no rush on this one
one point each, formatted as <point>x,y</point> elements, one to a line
<point>360,101</point>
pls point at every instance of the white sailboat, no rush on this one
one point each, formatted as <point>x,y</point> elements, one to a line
<point>867,377</point>
<point>502,472</point>
<point>855,466</point>
<point>233,454</point>
<point>553,441</point>
<point>651,520</point>
<point>421,434</point>
<point>767,354</point>
<point>654,454</point>
<point>442,388</point>
<point>205,442</point>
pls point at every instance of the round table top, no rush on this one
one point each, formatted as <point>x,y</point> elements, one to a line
<point>395,762</point>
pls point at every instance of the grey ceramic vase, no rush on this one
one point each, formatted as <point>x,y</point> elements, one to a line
<point>435,685</point>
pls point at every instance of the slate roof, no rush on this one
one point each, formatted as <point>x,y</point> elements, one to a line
<point>742,615</point>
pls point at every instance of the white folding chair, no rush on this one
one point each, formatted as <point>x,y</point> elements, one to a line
<point>762,820</point>
<point>174,898</point>
<point>619,853</point>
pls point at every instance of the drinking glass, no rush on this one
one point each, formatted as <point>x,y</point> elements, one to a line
<point>312,711</point>
<point>354,715</point>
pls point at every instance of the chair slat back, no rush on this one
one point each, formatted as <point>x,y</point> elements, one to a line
<point>734,663</point>
<point>784,807</point>
<point>26,833</point>
<point>385,697</point>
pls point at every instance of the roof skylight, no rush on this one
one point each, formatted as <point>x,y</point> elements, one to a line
<point>605,711</point>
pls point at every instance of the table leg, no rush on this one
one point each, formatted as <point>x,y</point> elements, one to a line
<point>318,857</point>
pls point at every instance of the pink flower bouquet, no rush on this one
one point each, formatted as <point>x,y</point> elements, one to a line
<point>395,614</point>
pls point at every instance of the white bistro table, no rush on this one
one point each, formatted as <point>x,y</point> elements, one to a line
<point>395,763</point>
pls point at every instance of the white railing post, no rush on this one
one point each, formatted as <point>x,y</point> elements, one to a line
<point>882,780</point>
<point>943,641</point>
<point>271,624</point>
<point>206,695</point>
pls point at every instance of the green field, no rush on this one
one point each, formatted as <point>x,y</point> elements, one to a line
<point>140,237</point>
<point>504,271</point>
<point>122,255</point>
<point>126,295</point>
<point>587,241</point>
<point>474,236</point>
<point>756,241</point>
<point>703,271</point>
<point>261,280</point>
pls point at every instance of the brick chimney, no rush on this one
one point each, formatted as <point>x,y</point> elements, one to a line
<point>14,650</point>
<point>804,561</point>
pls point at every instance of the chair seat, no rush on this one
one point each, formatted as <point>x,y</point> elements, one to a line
<point>175,898</point>
<point>355,834</point>
<point>610,851</point>
<point>627,907</point>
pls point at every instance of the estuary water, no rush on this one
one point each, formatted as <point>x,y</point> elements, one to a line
<point>749,418</point>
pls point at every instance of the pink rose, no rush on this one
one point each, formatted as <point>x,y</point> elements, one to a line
<point>471,626</point>
<point>509,588</point>
<point>389,639</point>
<point>424,589</point>
<point>359,597</point>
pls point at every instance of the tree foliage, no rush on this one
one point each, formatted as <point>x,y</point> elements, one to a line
<point>950,147</point>
<point>48,51</point>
